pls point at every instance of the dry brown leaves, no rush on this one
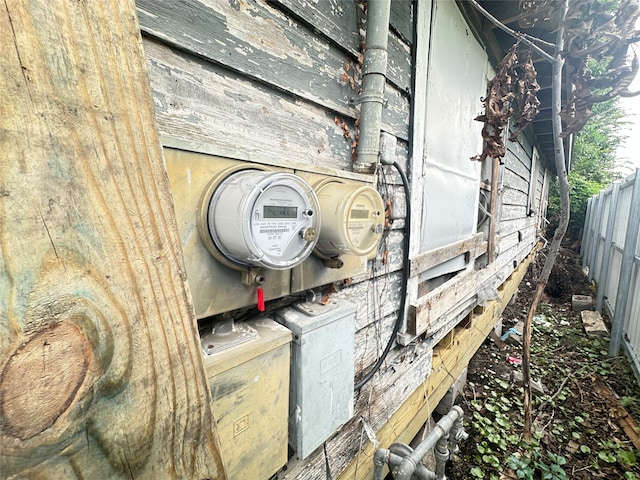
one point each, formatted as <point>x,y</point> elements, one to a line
<point>514,85</point>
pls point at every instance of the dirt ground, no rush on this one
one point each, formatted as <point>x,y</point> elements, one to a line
<point>585,402</point>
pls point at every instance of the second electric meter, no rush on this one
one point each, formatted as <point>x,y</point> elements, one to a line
<point>352,218</point>
<point>260,218</point>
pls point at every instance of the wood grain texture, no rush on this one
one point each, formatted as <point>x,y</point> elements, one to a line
<point>100,371</point>
<point>426,260</point>
<point>201,102</point>
<point>428,313</point>
<point>257,40</point>
<point>402,19</point>
<point>342,21</point>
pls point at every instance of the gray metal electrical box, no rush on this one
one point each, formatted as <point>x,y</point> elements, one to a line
<point>321,389</point>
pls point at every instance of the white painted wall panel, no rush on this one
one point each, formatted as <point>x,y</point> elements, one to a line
<point>456,81</point>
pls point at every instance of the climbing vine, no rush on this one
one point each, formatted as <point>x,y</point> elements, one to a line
<point>596,33</point>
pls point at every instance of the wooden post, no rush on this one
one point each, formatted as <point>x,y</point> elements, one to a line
<point>100,370</point>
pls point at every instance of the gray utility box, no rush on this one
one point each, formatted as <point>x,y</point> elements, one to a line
<point>321,388</point>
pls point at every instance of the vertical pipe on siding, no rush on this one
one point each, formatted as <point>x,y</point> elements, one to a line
<point>606,253</point>
<point>630,242</point>
<point>374,78</point>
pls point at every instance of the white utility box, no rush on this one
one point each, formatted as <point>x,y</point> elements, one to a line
<point>322,370</point>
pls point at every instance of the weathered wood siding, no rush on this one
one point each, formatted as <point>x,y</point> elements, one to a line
<point>279,81</point>
<point>521,204</point>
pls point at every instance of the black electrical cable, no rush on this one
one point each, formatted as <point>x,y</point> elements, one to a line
<point>327,469</point>
<point>405,280</point>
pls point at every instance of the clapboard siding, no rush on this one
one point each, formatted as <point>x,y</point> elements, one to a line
<point>519,164</point>
<point>341,23</point>
<point>512,196</point>
<point>337,20</point>
<point>517,228</point>
<point>373,300</point>
<point>399,63</point>
<point>515,181</point>
<point>524,224</point>
<point>201,102</point>
<point>511,212</point>
<point>260,42</point>
<point>402,19</point>
<point>370,342</point>
<point>257,41</point>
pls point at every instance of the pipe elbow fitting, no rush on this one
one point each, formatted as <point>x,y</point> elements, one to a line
<point>458,409</point>
<point>381,457</point>
<point>405,470</point>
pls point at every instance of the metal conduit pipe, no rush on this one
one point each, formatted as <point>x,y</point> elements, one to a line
<point>374,78</point>
<point>406,469</point>
<point>442,455</point>
<point>406,463</point>
<point>401,450</point>
<point>393,458</point>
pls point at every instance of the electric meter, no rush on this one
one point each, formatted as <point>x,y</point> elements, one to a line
<point>352,218</point>
<point>261,219</point>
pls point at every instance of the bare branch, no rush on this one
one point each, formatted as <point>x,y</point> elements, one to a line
<point>517,35</point>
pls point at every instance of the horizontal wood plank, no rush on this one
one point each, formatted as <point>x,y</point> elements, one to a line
<point>259,42</point>
<point>428,312</point>
<point>204,103</point>
<point>402,19</point>
<point>342,23</point>
<point>425,261</point>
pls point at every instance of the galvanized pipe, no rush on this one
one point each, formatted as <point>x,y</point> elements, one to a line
<point>394,457</point>
<point>406,469</point>
<point>442,455</point>
<point>406,463</point>
<point>374,78</point>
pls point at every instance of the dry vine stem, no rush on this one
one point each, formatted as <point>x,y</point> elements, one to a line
<point>589,32</point>
<point>514,85</point>
<point>594,34</point>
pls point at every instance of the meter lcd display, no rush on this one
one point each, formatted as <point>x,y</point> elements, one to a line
<point>275,211</point>
<point>360,214</point>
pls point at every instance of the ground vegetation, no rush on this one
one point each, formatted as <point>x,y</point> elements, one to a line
<point>584,402</point>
